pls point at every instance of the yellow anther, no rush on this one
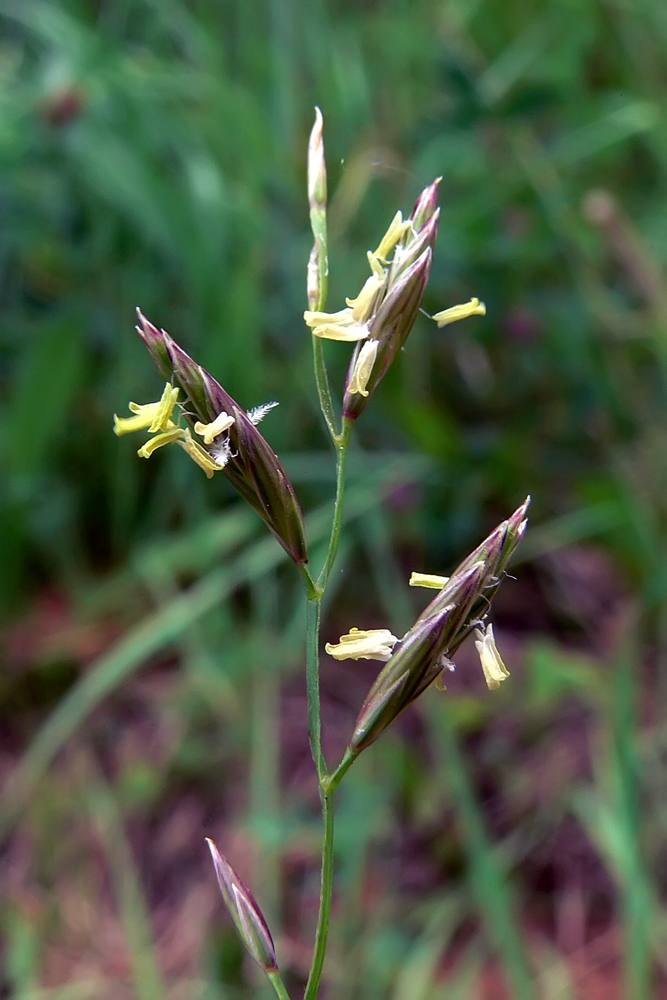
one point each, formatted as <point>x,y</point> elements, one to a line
<point>148,416</point>
<point>165,408</point>
<point>209,432</point>
<point>362,306</point>
<point>428,580</point>
<point>373,644</point>
<point>472,308</point>
<point>363,367</point>
<point>494,669</point>
<point>336,326</point>
<point>156,418</point>
<point>376,266</point>
<point>395,233</point>
<point>167,437</point>
<point>199,455</point>
<point>144,417</point>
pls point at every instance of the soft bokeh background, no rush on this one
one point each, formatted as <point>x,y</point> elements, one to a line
<point>492,845</point>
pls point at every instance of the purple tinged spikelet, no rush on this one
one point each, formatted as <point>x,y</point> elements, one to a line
<point>252,465</point>
<point>397,306</point>
<point>439,631</point>
<point>390,326</point>
<point>244,911</point>
<point>416,660</point>
<point>413,248</point>
<point>426,205</point>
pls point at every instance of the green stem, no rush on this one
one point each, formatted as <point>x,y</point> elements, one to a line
<point>318,222</point>
<point>313,609</point>
<point>276,981</point>
<point>332,781</point>
<point>315,592</point>
<point>323,388</point>
<point>341,441</point>
<point>326,892</point>
<point>312,590</point>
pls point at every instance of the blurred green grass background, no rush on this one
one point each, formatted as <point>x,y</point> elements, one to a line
<point>153,153</point>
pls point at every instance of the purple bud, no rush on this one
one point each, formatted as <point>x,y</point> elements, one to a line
<point>154,341</point>
<point>516,529</point>
<point>426,205</point>
<point>245,912</point>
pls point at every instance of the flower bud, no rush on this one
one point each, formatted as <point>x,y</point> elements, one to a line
<point>496,550</point>
<point>426,205</point>
<point>245,912</point>
<point>318,265</point>
<point>317,169</point>
<point>244,455</point>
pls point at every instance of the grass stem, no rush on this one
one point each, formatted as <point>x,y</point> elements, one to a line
<point>277,982</point>
<point>326,893</point>
<point>341,466</point>
<point>313,611</point>
<point>323,388</point>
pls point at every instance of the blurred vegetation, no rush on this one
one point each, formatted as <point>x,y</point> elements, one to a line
<point>153,153</point>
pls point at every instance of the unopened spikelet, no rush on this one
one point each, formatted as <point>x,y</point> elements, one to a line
<point>424,652</point>
<point>317,199</point>
<point>242,452</point>
<point>244,911</point>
